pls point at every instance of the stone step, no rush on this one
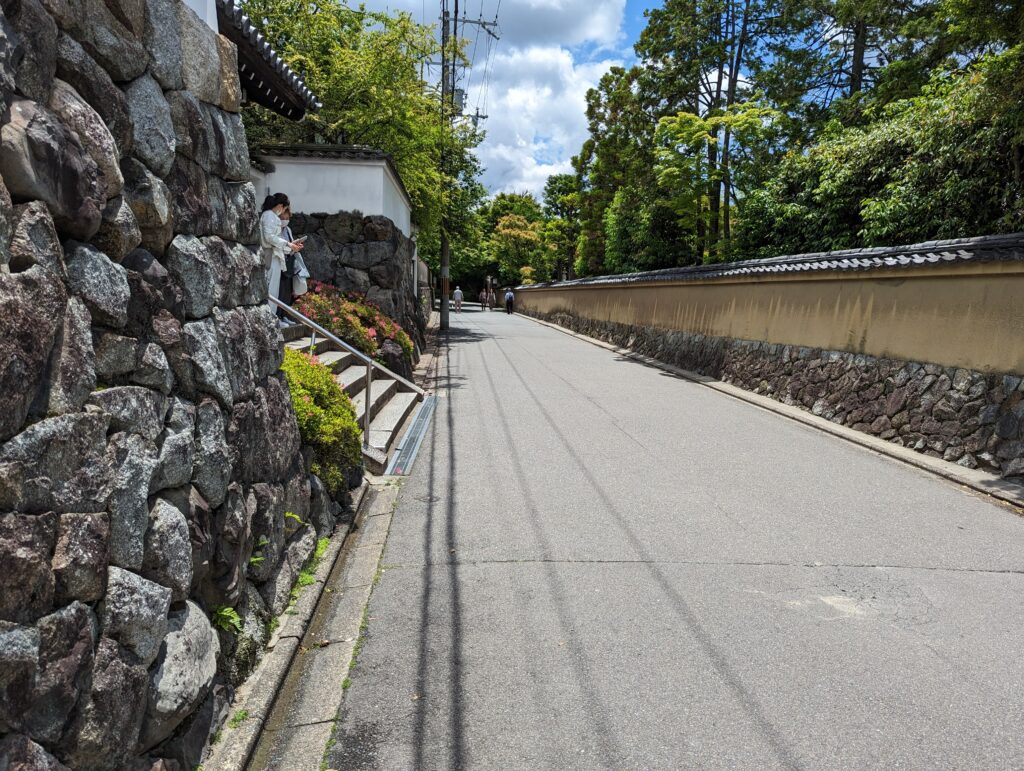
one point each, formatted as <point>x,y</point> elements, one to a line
<point>303,344</point>
<point>353,378</point>
<point>385,427</point>
<point>380,392</point>
<point>338,361</point>
<point>294,332</point>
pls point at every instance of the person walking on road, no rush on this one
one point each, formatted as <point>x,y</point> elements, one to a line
<point>483,299</point>
<point>457,296</point>
<point>492,300</point>
<point>510,300</point>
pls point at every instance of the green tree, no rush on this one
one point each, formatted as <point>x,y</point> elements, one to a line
<point>517,243</point>
<point>365,67</point>
<point>944,164</point>
<point>562,229</point>
<point>524,205</point>
<point>753,127</point>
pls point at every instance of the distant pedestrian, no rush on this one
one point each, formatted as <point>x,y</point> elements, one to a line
<point>457,296</point>
<point>510,301</point>
<point>483,298</point>
<point>492,300</point>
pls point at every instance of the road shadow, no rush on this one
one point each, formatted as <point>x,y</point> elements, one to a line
<point>443,505</point>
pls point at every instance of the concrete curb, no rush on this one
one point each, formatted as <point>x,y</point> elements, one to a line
<point>257,694</point>
<point>297,733</point>
<point>978,481</point>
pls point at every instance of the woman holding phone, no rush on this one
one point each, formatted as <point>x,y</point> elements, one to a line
<point>274,246</point>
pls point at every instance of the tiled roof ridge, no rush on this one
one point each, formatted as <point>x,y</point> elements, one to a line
<point>315,150</point>
<point>233,11</point>
<point>1001,247</point>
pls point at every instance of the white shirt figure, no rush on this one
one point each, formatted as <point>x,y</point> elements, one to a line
<point>272,251</point>
<point>457,296</point>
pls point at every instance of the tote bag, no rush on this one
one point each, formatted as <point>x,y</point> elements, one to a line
<point>299,276</point>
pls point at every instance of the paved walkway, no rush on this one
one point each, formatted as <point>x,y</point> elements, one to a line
<point>596,564</point>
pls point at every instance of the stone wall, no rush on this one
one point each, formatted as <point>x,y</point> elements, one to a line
<point>960,415</point>
<point>148,447</point>
<point>366,255</point>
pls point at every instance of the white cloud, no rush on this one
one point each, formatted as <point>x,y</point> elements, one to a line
<point>537,116</point>
<point>550,53</point>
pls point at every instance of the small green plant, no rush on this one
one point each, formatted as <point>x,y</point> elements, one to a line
<point>330,745</point>
<point>226,619</point>
<point>273,625</point>
<point>262,542</point>
<point>364,625</point>
<point>294,517</point>
<point>238,718</point>
<point>256,559</point>
<point>346,683</point>
<point>321,548</point>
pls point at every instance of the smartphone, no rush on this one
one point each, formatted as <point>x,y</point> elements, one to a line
<point>301,239</point>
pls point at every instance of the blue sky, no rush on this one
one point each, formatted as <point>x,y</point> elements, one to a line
<point>633,18</point>
<point>533,84</point>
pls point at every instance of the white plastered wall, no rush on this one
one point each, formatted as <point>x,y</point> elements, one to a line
<point>332,185</point>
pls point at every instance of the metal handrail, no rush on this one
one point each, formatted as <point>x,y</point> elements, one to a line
<point>370,363</point>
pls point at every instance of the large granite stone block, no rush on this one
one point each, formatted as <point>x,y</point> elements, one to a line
<point>183,675</point>
<point>151,203</point>
<point>33,312</point>
<point>26,580</point>
<point>57,465</point>
<point>154,139</point>
<point>80,557</point>
<point>100,282</point>
<point>134,612</point>
<point>105,726</point>
<point>92,132</point>
<point>42,159</point>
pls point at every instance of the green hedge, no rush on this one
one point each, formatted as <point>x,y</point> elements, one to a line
<point>327,420</point>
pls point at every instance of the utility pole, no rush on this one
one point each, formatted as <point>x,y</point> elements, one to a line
<point>445,85</point>
<point>448,115</point>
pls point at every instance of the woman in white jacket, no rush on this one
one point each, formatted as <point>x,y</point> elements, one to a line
<point>272,245</point>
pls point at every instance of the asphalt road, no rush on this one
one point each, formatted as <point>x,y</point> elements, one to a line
<point>596,564</point>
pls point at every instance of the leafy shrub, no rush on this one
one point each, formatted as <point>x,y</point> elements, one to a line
<point>352,318</point>
<point>327,420</point>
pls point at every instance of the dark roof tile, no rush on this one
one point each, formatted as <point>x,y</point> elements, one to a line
<point>231,12</point>
<point>1004,247</point>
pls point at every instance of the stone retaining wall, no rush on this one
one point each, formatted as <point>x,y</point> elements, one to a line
<point>960,415</point>
<point>148,446</point>
<point>366,255</point>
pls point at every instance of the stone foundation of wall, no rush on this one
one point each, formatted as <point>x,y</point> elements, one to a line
<point>959,415</point>
<point>366,255</point>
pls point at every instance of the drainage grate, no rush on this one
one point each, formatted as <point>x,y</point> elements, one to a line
<point>405,455</point>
